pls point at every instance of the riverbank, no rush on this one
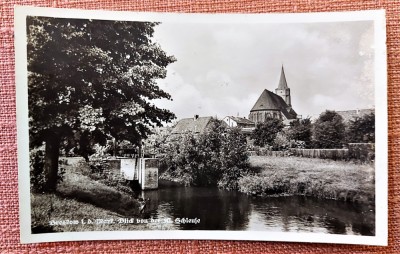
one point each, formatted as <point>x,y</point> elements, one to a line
<point>80,200</point>
<point>326,179</point>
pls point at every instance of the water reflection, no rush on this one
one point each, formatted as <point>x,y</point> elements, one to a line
<point>224,210</point>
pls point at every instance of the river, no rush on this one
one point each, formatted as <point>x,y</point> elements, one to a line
<point>230,210</point>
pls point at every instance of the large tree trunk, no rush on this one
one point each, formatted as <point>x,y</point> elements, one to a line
<point>51,162</point>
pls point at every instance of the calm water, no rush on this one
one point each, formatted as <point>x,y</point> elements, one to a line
<point>225,210</point>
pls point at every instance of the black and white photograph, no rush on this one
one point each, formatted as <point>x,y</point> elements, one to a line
<point>201,126</point>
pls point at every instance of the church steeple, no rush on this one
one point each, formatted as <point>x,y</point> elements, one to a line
<point>283,90</point>
<point>282,81</point>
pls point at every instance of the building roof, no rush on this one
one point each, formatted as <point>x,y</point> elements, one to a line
<point>348,115</point>
<point>193,125</point>
<point>270,101</point>
<point>241,120</point>
<point>282,81</point>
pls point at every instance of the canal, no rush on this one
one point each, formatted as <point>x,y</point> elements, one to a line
<point>218,209</point>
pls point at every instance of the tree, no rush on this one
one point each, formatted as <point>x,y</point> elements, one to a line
<point>329,130</point>
<point>215,157</point>
<point>300,130</point>
<point>281,141</point>
<point>265,133</point>
<point>362,129</point>
<point>89,80</point>
<point>234,158</point>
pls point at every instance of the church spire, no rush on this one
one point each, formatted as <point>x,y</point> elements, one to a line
<point>282,81</point>
<point>283,90</point>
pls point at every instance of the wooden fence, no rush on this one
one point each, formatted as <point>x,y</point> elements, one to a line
<point>356,151</point>
<point>333,154</point>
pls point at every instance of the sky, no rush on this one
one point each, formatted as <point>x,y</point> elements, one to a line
<point>222,69</point>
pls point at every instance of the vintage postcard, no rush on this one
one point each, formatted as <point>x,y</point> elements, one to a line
<point>267,127</point>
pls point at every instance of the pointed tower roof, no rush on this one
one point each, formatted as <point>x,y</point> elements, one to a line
<point>282,81</point>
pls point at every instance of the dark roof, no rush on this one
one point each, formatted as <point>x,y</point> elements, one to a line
<point>193,125</point>
<point>348,115</point>
<point>282,81</point>
<point>270,101</point>
<point>241,120</point>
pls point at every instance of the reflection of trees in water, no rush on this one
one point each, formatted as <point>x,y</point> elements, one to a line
<point>216,209</point>
<point>335,226</point>
<point>304,214</point>
<point>224,210</point>
<point>238,207</point>
<point>363,229</point>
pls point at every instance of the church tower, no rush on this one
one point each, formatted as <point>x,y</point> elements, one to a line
<point>283,90</point>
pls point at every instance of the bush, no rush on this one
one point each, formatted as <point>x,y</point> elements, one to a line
<point>362,129</point>
<point>100,170</point>
<point>281,142</point>
<point>300,130</point>
<point>265,133</point>
<point>364,152</point>
<point>329,131</point>
<point>217,157</point>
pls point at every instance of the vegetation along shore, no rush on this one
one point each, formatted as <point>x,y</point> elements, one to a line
<point>325,179</point>
<point>319,178</point>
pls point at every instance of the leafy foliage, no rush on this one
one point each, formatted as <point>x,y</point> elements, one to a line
<point>234,158</point>
<point>216,157</point>
<point>281,142</point>
<point>37,177</point>
<point>362,129</point>
<point>329,130</point>
<point>300,130</point>
<point>102,172</point>
<point>265,133</point>
<point>92,79</point>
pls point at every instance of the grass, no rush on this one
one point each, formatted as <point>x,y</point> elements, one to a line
<point>52,207</point>
<point>338,180</point>
<point>80,197</point>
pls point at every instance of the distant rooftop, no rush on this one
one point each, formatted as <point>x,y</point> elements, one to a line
<point>241,120</point>
<point>194,125</point>
<point>348,115</point>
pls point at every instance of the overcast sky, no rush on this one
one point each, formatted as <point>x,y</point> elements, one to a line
<point>221,69</point>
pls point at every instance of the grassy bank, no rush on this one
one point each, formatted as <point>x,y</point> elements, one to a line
<point>320,178</point>
<point>80,197</point>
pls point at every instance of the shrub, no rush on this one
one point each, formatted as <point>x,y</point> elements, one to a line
<point>216,157</point>
<point>300,130</point>
<point>281,142</point>
<point>364,152</point>
<point>100,170</point>
<point>362,129</point>
<point>265,133</point>
<point>329,130</point>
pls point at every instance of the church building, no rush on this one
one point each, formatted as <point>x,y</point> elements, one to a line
<point>276,105</point>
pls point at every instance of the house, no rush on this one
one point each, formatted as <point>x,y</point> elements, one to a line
<point>235,121</point>
<point>196,125</point>
<point>276,105</point>
<point>348,115</point>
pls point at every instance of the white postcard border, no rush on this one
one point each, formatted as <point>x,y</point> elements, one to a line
<point>381,166</point>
